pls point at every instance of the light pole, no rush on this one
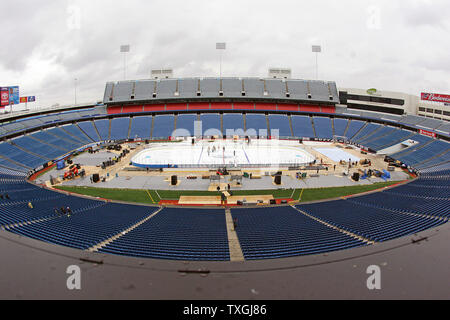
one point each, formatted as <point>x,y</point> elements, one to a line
<point>76,91</point>
<point>125,49</point>
<point>221,46</point>
<point>317,50</point>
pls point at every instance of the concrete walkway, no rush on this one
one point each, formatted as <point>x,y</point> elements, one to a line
<point>233,240</point>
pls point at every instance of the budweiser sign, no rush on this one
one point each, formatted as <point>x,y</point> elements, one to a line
<point>427,133</point>
<point>445,98</point>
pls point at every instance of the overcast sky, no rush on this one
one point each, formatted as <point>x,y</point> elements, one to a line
<point>396,45</point>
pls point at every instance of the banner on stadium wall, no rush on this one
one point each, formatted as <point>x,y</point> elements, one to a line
<point>14,97</point>
<point>27,99</point>
<point>4,96</point>
<point>427,133</point>
<point>435,97</point>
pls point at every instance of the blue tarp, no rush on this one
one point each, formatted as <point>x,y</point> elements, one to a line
<point>60,164</point>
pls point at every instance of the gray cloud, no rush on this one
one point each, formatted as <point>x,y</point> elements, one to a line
<point>393,45</point>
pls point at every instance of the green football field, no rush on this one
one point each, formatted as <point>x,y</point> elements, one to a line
<point>154,196</point>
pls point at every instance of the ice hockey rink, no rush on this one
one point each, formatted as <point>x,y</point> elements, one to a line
<point>230,153</point>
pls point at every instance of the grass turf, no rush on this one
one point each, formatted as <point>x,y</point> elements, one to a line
<point>154,196</point>
<point>336,192</point>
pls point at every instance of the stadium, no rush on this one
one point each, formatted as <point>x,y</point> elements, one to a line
<point>206,183</point>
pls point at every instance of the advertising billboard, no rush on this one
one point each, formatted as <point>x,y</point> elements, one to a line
<point>427,133</point>
<point>14,97</point>
<point>4,96</point>
<point>435,97</point>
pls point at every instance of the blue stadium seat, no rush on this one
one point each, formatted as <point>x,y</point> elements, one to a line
<point>119,128</point>
<point>302,127</point>
<point>163,126</point>
<point>234,122</point>
<point>141,127</point>
<point>280,123</point>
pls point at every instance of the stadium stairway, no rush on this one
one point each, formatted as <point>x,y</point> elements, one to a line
<point>435,157</point>
<point>354,128</point>
<point>97,131</point>
<point>37,147</point>
<point>366,132</point>
<point>5,162</point>
<point>378,134</point>
<point>346,128</point>
<point>372,223</point>
<point>353,235</point>
<point>290,125</point>
<point>109,128</point>
<point>152,126</point>
<point>89,129</point>
<point>261,236</point>
<point>332,127</point>
<point>75,132</point>
<point>129,127</point>
<point>391,140</point>
<point>54,146</point>
<point>99,246</point>
<point>63,136</point>
<point>177,234</point>
<point>175,122</point>
<point>312,124</point>
<point>30,152</point>
<point>234,245</point>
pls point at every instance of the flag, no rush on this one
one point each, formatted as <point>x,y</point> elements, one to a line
<point>23,99</point>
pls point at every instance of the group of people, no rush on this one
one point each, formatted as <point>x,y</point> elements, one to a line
<point>63,211</point>
<point>214,149</point>
<point>5,196</point>
<point>223,197</point>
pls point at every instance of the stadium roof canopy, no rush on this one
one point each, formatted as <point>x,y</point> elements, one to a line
<point>323,92</point>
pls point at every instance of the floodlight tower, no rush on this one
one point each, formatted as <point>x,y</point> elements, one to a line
<point>221,46</point>
<point>317,49</point>
<point>125,49</point>
<point>75,81</point>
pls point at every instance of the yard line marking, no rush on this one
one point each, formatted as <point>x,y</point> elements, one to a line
<point>301,194</point>
<point>148,192</point>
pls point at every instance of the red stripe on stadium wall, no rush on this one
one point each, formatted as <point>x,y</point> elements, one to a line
<point>329,109</point>
<point>266,106</point>
<point>176,106</point>
<point>199,106</point>
<point>221,106</point>
<point>310,108</point>
<point>115,110</point>
<point>155,107</point>
<point>128,109</point>
<point>288,107</point>
<point>427,133</point>
<point>243,106</point>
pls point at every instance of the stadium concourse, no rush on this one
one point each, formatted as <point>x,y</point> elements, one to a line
<point>41,226</point>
